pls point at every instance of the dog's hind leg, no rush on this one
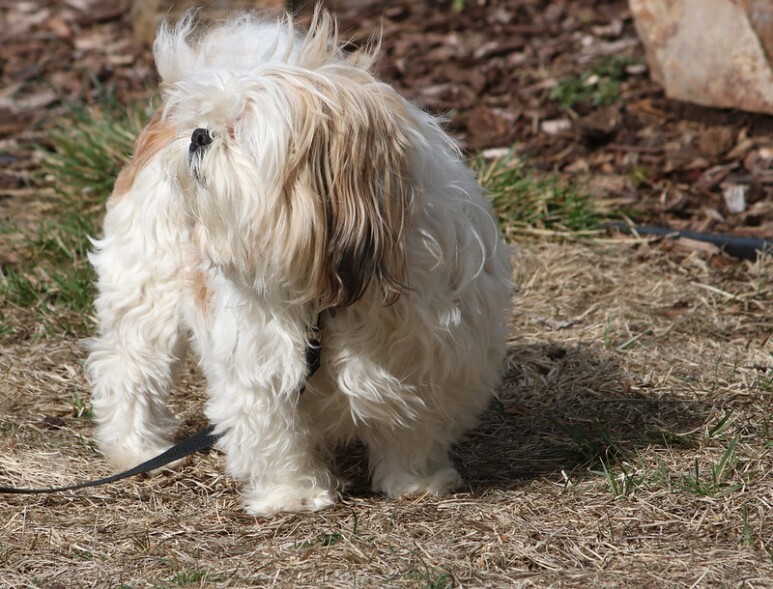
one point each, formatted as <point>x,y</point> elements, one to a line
<point>408,461</point>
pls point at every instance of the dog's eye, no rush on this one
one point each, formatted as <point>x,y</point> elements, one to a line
<point>200,138</point>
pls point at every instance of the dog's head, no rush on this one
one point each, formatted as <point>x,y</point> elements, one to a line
<point>296,171</point>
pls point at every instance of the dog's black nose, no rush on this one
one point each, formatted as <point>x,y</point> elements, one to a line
<point>200,138</point>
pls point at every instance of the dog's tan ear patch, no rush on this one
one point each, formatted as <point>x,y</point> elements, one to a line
<point>156,135</point>
<point>354,171</point>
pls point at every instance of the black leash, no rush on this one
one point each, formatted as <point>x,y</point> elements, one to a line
<point>201,440</point>
<point>746,248</point>
<point>198,441</point>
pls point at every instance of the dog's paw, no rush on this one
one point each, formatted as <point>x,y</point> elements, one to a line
<point>440,482</point>
<point>288,499</point>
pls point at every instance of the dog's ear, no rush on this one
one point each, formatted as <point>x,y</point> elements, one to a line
<point>353,167</point>
<point>156,135</point>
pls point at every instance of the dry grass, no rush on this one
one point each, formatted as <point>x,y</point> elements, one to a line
<point>629,369</point>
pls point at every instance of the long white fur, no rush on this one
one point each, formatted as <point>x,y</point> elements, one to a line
<point>191,254</point>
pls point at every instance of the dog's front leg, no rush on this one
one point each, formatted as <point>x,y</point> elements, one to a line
<point>256,369</point>
<point>268,449</point>
<point>142,268</point>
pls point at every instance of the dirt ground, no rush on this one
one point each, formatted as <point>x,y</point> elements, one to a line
<point>632,442</point>
<point>622,358</point>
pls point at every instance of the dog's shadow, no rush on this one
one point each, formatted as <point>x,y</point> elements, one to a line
<point>567,409</point>
<point>559,409</point>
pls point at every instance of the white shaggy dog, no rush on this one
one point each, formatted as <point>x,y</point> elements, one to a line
<point>279,183</point>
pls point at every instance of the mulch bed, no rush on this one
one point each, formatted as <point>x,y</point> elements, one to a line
<point>489,68</point>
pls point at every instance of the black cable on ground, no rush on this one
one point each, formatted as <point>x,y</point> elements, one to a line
<point>747,248</point>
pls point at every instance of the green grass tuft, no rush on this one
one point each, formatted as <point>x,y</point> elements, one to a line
<point>82,408</point>
<point>188,577</point>
<point>597,86</point>
<point>52,275</point>
<point>712,482</point>
<point>622,484</point>
<point>527,202</point>
<point>91,146</point>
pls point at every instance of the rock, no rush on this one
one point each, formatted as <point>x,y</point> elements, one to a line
<point>735,197</point>
<point>711,52</point>
<point>555,126</point>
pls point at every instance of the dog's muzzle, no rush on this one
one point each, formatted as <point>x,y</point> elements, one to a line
<point>200,139</point>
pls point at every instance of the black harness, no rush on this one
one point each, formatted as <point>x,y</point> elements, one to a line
<point>201,440</point>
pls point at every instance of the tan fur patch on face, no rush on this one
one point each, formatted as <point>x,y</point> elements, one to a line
<point>156,135</point>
